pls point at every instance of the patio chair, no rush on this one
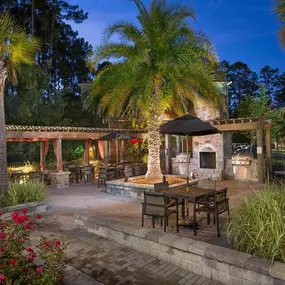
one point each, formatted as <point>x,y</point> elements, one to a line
<point>155,205</point>
<point>17,175</point>
<point>217,207</point>
<point>164,186</point>
<point>74,175</point>
<point>35,176</point>
<point>206,184</point>
<point>88,175</point>
<point>102,176</point>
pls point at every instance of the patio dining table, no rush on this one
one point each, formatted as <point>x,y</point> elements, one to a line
<point>193,195</point>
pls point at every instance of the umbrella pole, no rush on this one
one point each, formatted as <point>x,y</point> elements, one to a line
<point>117,153</point>
<point>187,163</point>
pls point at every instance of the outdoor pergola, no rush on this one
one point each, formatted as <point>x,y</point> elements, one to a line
<point>44,134</point>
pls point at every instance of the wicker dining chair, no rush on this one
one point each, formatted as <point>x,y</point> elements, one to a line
<point>217,207</point>
<point>155,205</point>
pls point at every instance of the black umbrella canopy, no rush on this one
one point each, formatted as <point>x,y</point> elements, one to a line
<point>116,136</point>
<point>188,126</point>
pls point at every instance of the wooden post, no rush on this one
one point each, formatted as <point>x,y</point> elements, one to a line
<point>139,151</point>
<point>58,153</point>
<point>42,155</point>
<point>86,151</point>
<point>122,150</point>
<point>106,153</point>
<point>268,151</point>
<point>167,154</point>
<point>259,135</point>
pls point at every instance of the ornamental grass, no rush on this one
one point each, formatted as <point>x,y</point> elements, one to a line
<point>257,227</point>
<point>28,191</point>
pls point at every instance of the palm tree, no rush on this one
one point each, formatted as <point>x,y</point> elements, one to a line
<point>158,66</point>
<point>16,50</point>
<point>280,11</point>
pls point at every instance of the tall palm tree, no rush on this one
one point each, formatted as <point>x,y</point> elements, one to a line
<point>159,65</point>
<point>280,11</point>
<point>16,50</point>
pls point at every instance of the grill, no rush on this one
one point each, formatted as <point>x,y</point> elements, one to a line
<point>241,164</point>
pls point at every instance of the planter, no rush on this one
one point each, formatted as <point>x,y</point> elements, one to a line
<point>33,208</point>
<point>59,179</point>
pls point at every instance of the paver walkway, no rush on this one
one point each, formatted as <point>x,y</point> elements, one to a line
<point>108,262</point>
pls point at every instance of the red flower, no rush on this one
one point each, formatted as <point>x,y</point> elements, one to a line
<point>60,280</point>
<point>1,213</point>
<point>28,226</point>
<point>2,278</point>
<point>30,250</point>
<point>47,243</point>
<point>12,262</point>
<point>38,216</point>
<point>24,210</point>
<point>39,269</point>
<point>15,215</point>
<point>2,235</point>
<point>57,243</point>
<point>2,249</point>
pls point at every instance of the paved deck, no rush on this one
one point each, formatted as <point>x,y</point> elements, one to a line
<point>89,199</point>
<point>107,262</point>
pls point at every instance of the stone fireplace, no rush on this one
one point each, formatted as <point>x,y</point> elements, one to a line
<point>210,155</point>
<point>207,157</point>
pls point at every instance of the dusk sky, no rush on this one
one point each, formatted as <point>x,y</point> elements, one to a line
<point>244,30</point>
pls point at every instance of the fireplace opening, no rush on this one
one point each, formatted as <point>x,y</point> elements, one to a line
<point>208,160</point>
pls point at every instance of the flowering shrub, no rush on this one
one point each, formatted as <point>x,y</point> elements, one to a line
<point>20,264</point>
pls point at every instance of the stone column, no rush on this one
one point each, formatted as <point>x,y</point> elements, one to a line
<point>268,151</point>
<point>167,154</point>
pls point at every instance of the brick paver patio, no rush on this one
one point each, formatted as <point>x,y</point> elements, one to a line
<point>109,262</point>
<point>93,201</point>
<point>112,263</point>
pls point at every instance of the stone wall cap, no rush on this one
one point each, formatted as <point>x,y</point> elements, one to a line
<point>142,232</point>
<point>278,270</point>
<point>198,247</point>
<point>260,265</point>
<point>183,243</point>
<point>168,239</point>
<point>154,235</point>
<point>19,206</point>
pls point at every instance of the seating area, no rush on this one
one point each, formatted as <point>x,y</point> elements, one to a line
<point>204,197</point>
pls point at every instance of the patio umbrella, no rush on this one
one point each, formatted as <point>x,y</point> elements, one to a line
<point>117,137</point>
<point>188,126</point>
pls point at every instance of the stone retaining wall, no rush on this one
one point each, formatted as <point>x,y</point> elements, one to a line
<point>218,263</point>
<point>33,207</point>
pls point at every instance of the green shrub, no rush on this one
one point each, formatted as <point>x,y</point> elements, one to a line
<point>258,225</point>
<point>28,191</point>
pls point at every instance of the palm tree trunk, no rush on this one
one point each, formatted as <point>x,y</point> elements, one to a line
<point>153,167</point>
<point>3,153</point>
